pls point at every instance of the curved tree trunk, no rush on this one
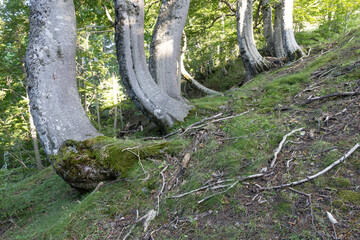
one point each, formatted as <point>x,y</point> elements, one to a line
<point>50,64</point>
<point>292,49</point>
<point>148,97</point>
<point>254,63</point>
<point>79,154</point>
<point>187,75</point>
<point>268,27</point>
<point>278,41</point>
<point>165,45</point>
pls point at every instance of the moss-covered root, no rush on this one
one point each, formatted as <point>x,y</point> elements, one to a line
<point>84,164</point>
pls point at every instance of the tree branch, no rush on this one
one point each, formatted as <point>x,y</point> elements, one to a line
<point>315,175</point>
<point>338,94</point>
<point>277,151</point>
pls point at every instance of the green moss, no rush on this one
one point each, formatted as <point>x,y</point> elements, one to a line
<point>84,164</point>
<point>349,196</point>
<point>339,182</point>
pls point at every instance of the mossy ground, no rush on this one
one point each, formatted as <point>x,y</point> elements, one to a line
<point>45,207</point>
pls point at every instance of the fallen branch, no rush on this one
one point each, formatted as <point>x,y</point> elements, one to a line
<point>311,207</point>
<point>162,188</point>
<point>309,178</point>
<point>202,188</point>
<point>213,195</point>
<point>198,85</point>
<point>338,94</point>
<point>213,121</point>
<point>277,151</point>
<point>231,186</point>
<point>187,75</point>
<point>181,129</point>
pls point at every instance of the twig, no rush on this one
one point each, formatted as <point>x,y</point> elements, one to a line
<point>132,227</point>
<point>317,174</point>
<point>162,188</point>
<point>213,195</point>
<point>138,155</point>
<point>257,134</point>
<point>231,186</point>
<point>338,94</point>
<point>311,208</point>
<point>201,188</point>
<point>214,121</point>
<point>277,151</point>
<point>179,130</point>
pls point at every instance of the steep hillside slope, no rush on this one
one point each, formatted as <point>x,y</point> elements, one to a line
<point>221,185</point>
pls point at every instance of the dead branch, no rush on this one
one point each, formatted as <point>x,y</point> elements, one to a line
<point>277,151</point>
<point>309,178</point>
<point>231,186</point>
<point>181,129</point>
<point>202,188</point>
<point>213,121</point>
<point>311,207</point>
<point>162,188</point>
<point>338,94</point>
<point>213,195</point>
<point>187,75</point>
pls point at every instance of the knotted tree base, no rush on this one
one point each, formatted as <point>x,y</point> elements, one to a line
<point>85,164</point>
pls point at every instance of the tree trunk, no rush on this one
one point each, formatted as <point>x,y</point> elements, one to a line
<point>165,45</point>
<point>268,27</point>
<point>50,64</point>
<point>278,42</point>
<point>34,140</point>
<point>147,96</point>
<point>79,154</point>
<point>115,95</point>
<point>254,63</point>
<point>292,50</point>
<point>33,133</point>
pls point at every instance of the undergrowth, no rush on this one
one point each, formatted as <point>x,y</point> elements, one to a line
<point>43,206</point>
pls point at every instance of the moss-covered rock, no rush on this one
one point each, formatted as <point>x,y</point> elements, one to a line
<point>84,164</point>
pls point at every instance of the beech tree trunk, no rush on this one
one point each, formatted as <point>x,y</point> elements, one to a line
<point>165,45</point>
<point>292,50</point>
<point>278,41</point>
<point>79,154</point>
<point>254,63</point>
<point>268,27</point>
<point>50,64</point>
<point>146,94</point>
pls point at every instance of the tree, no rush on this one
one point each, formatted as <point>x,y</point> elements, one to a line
<point>165,46</point>
<point>278,40</point>
<point>292,50</point>
<point>50,63</point>
<point>79,154</point>
<point>148,97</point>
<point>254,63</point>
<point>268,26</point>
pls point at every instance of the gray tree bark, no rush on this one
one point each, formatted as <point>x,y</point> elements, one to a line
<point>146,94</point>
<point>254,63</point>
<point>79,154</point>
<point>50,64</point>
<point>292,50</point>
<point>278,41</point>
<point>268,26</point>
<point>165,45</point>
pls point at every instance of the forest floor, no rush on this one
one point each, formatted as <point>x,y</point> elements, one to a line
<point>204,191</point>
